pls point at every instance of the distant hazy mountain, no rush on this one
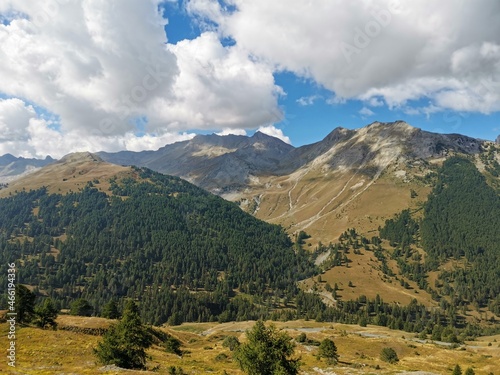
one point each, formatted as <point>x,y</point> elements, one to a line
<point>12,167</point>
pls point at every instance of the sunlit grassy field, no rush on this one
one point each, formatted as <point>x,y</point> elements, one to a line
<point>47,352</point>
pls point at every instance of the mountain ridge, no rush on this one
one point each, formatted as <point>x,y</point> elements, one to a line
<point>224,163</point>
<point>232,162</point>
<point>341,180</point>
<point>12,167</point>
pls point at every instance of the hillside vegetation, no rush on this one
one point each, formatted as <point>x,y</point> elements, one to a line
<point>184,253</point>
<point>460,224</point>
<point>440,261</point>
<point>69,351</point>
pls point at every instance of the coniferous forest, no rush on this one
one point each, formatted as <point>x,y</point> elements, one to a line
<point>461,224</point>
<point>182,252</point>
<point>186,255</point>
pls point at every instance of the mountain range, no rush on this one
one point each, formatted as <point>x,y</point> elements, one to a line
<point>366,204</point>
<point>227,163</point>
<point>12,167</point>
<point>351,178</point>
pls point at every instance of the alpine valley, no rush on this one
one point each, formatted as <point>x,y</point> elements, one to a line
<point>387,227</point>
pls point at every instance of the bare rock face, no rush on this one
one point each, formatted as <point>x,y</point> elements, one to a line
<point>216,163</point>
<point>498,140</point>
<point>226,163</point>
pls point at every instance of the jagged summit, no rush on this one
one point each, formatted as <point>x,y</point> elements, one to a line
<point>398,124</point>
<point>12,168</point>
<point>222,163</point>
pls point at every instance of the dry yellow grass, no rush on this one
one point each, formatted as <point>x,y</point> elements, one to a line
<point>70,175</point>
<point>325,204</point>
<point>368,280</point>
<point>42,352</point>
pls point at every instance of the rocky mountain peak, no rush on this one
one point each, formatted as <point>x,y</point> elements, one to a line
<point>386,129</point>
<point>12,168</point>
<point>8,158</point>
<point>498,140</point>
<point>338,134</point>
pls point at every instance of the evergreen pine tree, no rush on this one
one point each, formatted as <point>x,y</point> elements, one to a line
<point>328,350</point>
<point>125,343</point>
<point>81,307</point>
<point>267,351</point>
<point>110,310</point>
<point>457,370</point>
<point>25,304</point>
<point>46,314</point>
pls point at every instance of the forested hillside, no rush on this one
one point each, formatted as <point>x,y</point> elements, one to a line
<point>182,252</point>
<point>461,223</point>
<point>462,219</point>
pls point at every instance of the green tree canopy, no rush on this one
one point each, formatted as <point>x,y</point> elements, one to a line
<point>457,370</point>
<point>81,307</point>
<point>267,352</point>
<point>110,310</point>
<point>328,350</point>
<point>231,342</point>
<point>25,304</point>
<point>389,355</point>
<point>173,345</point>
<point>46,314</point>
<point>125,343</point>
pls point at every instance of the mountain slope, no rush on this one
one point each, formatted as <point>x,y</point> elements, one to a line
<point>12,168</point>
<point>350,178</point>
<point>71,173</point>
<point>180,250</point>
<point>353,179</point>
<point>216,163</point>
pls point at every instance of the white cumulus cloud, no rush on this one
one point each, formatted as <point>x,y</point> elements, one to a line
<point>383,49</point>
<point>275,132</point>
<point>229,131</point>
<point>366,112</point>
<point>101,66</point>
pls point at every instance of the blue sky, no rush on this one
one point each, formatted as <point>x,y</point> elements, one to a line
<point>306,124</point>
<point>135,75</point>
<point>311,119</point>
